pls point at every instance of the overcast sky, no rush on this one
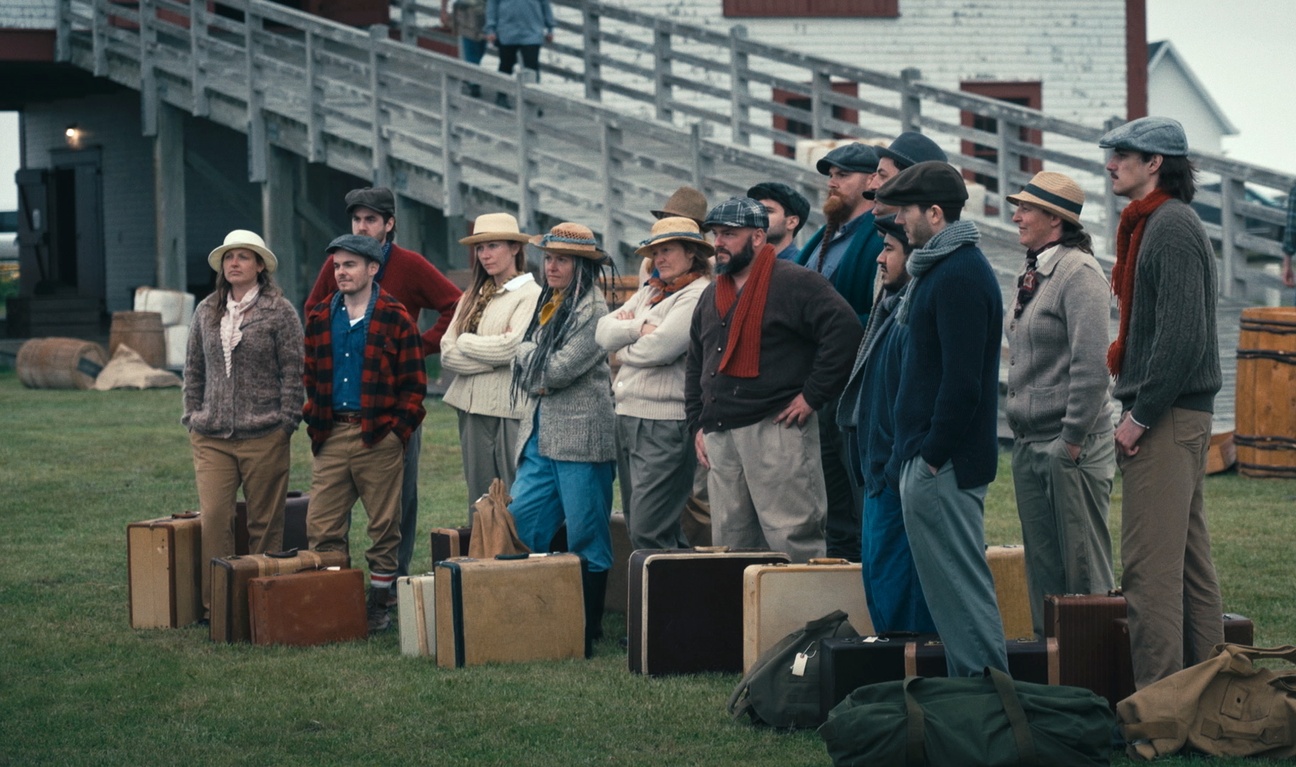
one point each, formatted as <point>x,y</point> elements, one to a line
<point>1241,51</point>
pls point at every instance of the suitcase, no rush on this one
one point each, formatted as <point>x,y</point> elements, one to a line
<point>1238,629</point>
<point>294,534</point>
<point>1008,567</point>
<point>416,604</point>
<point>230,576</point>
<point>1082,626</point>
<point>308,608</point>
<point>684,613</point>
<point>780,599</point>
<point>615,597</point>
<point>448,542</point>
<point>163,561</point>
<point>509,609</point>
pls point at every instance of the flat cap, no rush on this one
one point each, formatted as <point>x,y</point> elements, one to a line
<point>360,245</point>
<point>887,225</point>
<point>1154,135</point>
<point>738,212</point>
<point>927,183</point>
<point>910,148</point>
<point>854,158</point>
<point>794,203</point>
<point>376,198</point>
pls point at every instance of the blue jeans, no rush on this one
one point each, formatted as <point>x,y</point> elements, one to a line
<point>546,492</point>
<point>471,50</point>
<point>891,586</point>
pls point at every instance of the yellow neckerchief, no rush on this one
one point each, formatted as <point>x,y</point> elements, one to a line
<point>549,309</point>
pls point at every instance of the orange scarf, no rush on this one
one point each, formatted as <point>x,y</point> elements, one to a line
<point>742,356</point>
<point>1129,237</point>
<point>664,289</point>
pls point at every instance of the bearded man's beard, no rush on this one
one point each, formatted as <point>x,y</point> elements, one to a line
<point>737,261</point>
<point>836,210</point>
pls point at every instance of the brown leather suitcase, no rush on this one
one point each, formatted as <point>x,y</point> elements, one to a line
<point>448,542</point>
<point>1238,629</point>
<point>614,600</point>
<point>685,612</point>
<point>163,561</point>
<point>230,576</point>
<point>294,534</point>
<point>780,599</point>
<point>1082,625</point>
<point>509,609</point>
<point>307,608</point>
<point>1008,567</point>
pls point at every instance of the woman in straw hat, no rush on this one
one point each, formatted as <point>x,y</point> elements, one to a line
<point>243,398</point>
<point>1058,404</point>
<point>650,336</point>
<point>479,348</point>
<point>566,445</point>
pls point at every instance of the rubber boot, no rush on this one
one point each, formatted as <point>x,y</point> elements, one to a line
<point>595,586</point>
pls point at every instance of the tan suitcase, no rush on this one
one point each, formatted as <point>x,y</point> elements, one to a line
<point>416,604</point>
<point>230,621</point>
<point>163,557</point>
<point>1008,567</point>
<point>781,598</point>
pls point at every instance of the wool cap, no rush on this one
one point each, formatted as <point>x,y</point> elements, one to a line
<point>910,148</point>
<point>568,239</point>
<point>854,158</point>
<point>927,183</point>
<point>375,198</point>
<point>685,201</point>
<point>1154,135</point>
<point>887,226</point>
<point>492,227</point>
<point>675,228</point>
<point>1055,192</point>
<point>793,202</point>
<point>739,212</point>
<point>242,238</point>
<point>360,245</point>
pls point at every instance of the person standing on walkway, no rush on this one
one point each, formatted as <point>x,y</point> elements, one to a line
<point>519,27</point>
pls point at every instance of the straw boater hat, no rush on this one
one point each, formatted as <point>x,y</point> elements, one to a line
<point>493,227</point>
<point>568,239</point>
<point>1055,193</point>
<point>242,238</point>
<point>675,228</point>
<point>685,201</point>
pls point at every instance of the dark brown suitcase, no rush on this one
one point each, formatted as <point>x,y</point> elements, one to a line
<point>449,542</point>
<point>307,608</point>
<point>685,612</point>
<point>294,534</point>
<point>1238,629</point>
<point>1082,624</point>
<point>163,565</point>
<point>230,576</point>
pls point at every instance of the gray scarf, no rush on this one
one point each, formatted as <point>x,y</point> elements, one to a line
<point>946,241</point>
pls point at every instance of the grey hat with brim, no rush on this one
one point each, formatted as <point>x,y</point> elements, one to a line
<point>927,183</point>
<point>360,245</point>
<point>910,148</point>
<point>1153,135</point>
<point>853,158</point>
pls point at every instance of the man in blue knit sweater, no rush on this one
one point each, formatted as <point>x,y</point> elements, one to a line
<point>946,448</point>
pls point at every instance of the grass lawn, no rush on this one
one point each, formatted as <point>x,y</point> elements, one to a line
<point>79,686</point>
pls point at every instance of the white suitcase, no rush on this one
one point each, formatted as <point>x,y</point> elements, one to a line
<point>416,606</point>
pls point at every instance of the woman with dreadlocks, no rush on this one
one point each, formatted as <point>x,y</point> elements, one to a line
<point>566,447</point>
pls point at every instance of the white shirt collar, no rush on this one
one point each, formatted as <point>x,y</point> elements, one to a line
<point>1046,256</point>
<point>519,281</point>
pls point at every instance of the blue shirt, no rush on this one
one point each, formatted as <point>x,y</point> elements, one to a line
<point>348,352</point>
<point>789,253</point>
<point>837,248</point>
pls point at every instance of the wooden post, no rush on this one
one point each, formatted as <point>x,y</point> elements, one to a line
<point>381,170</point>
<point>1111,208</point>
<point>169,199</point>
<point>592,37</point>
<point>1006,160</point>
<point>62,30</point>
<point>201,104</point>
<point>450,175</point>
<point>525,196</point>
<point>314,95</point>
<point>1232,191</point>
<point>99,36</point>
<point>148,67</point>
<point>663,93</point>
<point>820,84</point>
<point>739,116</point>
<point>408,23</point>
<point>258,142</point>
<point>613,196</point>
<point>280,224</point>
<point>910,102</point>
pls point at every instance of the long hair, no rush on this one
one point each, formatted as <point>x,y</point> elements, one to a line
<point>265,282</point>
<point>1177,177</point>
<point>1075,236</point>
<point>468,303</point>
<point>553,335</point>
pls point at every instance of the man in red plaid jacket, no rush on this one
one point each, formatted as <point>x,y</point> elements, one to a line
<point>365,384</point>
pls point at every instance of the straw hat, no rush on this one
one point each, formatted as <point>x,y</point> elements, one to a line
<point>674,228</point>
<point>568,239</point>
<point>1054,192</point>
<point>685,201</point>
<point>492,227</point>
<point>242,238</point>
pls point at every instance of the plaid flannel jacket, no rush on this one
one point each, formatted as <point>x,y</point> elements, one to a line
<point>393,380</point>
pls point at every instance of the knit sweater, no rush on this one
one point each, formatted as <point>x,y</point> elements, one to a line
<point>1057,367</point>
<point>483,361</point>
<point>263,391</point>
<point>854,276</point>
<point>650,383</point>
<point>1171,350</point>
<point>413,281</point>
<point>574,395</point>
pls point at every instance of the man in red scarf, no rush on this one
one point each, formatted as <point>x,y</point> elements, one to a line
<point>1166,363</point>
<point>770,344</point>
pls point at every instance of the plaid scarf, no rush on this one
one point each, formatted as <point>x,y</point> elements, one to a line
<point>1129,237</point>
<point>742,356</point>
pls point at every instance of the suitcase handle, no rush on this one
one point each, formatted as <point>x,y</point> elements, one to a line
<point>289,554</point>
<point>829,561</point>
<point>512,556</point>
<point>184,515</point>
<point>711,549</point>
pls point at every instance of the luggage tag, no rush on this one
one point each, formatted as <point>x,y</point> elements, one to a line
<point>802,658</point>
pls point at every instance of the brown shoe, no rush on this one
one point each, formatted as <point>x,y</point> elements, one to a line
<point>376,610</point>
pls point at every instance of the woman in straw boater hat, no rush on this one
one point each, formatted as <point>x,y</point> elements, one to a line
<point>1058,405</point>
<point>566,444</point>
<point>650,335</point>
<point>243,398</point>
<point>479,347</point>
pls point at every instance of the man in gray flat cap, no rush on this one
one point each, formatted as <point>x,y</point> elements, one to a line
<point>907,150</point>
<point>946,411</point>
<point>770,344</point>
<point>1166,363</point>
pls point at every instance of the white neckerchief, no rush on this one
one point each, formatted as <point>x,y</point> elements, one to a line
<point>230,332</point>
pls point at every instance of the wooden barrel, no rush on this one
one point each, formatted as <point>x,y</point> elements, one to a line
<point>141,331</point>
<point>1266,392</point>
<point>60,363</point>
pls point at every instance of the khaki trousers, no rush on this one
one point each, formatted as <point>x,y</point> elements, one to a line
<point>345,470</point>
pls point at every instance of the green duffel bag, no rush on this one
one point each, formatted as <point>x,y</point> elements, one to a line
<point>989,720</point>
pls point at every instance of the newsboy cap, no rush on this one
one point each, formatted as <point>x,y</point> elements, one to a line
<point>1154,135</point>
<point>927,183</point>
<point>887,226</point>
<point>360,245</point>
<point>910,148</point>
<point>739,212</point>
<point>375,198</point>
<point>854,158</point>
<point>794,203</point>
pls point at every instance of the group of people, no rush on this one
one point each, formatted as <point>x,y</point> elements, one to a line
<point>839,399</point>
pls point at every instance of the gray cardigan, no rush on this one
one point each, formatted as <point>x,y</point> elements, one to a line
<point>577,422</point>
<point>264,390</point>
<point>1057,368</point>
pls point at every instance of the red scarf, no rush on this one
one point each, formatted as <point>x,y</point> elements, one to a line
<point>742,356</point>
<point>664,290</point>
<point>1129,237</point>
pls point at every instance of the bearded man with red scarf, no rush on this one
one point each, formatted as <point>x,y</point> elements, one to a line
<point>1166,363</point>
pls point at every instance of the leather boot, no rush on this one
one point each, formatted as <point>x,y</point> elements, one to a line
<point>595,585</point>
